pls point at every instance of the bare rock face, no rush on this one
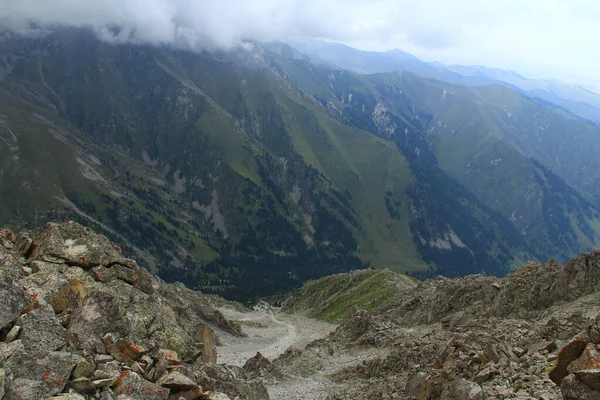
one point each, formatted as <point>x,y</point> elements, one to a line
<point>81,321</point>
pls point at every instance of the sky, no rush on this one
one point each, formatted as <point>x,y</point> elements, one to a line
<point>538,38</point>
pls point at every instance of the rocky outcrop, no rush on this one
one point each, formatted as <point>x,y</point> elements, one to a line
<point>533,334</point>
<point>79,320</point>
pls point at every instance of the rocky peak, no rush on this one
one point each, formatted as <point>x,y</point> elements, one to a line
<point>79,320</point>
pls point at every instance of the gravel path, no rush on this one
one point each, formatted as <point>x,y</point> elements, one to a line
<point>269,332</point>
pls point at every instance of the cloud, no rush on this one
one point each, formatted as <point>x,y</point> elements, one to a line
<point>538,36</point>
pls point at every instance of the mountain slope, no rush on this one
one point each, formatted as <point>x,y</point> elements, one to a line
<point>235,172</point>
<point>504,148</point>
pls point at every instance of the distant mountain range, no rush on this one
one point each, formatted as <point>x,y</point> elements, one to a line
<point>578,100</point>
<point>248,172</point>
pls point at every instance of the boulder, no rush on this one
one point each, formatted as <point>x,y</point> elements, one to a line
<point>52,369</point>
<point>125,351</point>
<point>24,389</point>
<point>14,301</point>
<point>175,380</point>
<point>100,313</point>
<point>590,377</point>
<point>136,387</point>
<point>2,382</point>
<point>41,330</point>
<point>76,245</point>
<point>462,389</point>
<point>259,366</point>
<point>566,356</point>
<point>573,389</point>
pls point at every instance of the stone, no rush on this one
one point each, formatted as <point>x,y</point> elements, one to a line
<point>13,334</point>
<point>103,358</point>
<point>170,355</point>
<point>109,370</point>
<point>14,301</point>
<point>7,350</point>
<point>134,386</point>
<point>569,353</point>
<point>82,385</point>
<point>589,359</point>
<point>209,348</point>
<point>193,394</point>
<point>462,389</point>
<point>259,366</point>
<point>177,381</point>
<point>2,382</point>
<point>76,245</point>
<point>594,331</point>
<point>100,383</point>
<point>573,389</point>
<point>99,314</point>
<point>83,369</point>
<point>590,377</point>
<point>51,369</point>
<point>483,375</point>
<point>125,351</point>
<point>24,389</point>
<point>41,330</point>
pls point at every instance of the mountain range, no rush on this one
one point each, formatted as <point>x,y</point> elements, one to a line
<point>250,171</point>
<point>577,99</point>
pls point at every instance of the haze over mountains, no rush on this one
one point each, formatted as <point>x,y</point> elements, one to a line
<point>252,170</point>
<point>578,100</point>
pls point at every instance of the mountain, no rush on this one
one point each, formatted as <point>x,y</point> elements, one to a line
<point>248,172</point>
<point>578,100</point>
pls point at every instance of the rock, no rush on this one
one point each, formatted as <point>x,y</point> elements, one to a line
<point>13,334</point>
<point>484,375</point>
<point>125,351</point>
<point>7,350</point>
<point>594,331</point>
<point>259,366</point>
<point>24,389</point>
<point>99,314</point>
<point>100,383</point>
<point>134,386</point>
<point>573,389</point>
<point>83,369</point>
<point>462,389</point>
<point>177,381</point>
<point>14,301</point>
<point>51,369</point>
<point>590,377</point>
<point>216,396</point>
<point>209,349</point>
<point>82,385</point>
<point>109,370</point>
<point>41,330</point>
<point>2,382</point>
<point>589,359</point>
<point>566,356</point>
<point>170,355</point>
<point>103,358</point>
<point>193,394</point>
<point>76,245</point>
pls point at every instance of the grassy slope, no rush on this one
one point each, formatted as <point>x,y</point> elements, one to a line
<point>331,298</point>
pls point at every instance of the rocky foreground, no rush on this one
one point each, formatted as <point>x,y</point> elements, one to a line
<point>534,334</point>
<point>78,320</point>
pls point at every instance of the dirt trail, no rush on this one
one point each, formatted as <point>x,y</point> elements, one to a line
<point>269,332</point>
